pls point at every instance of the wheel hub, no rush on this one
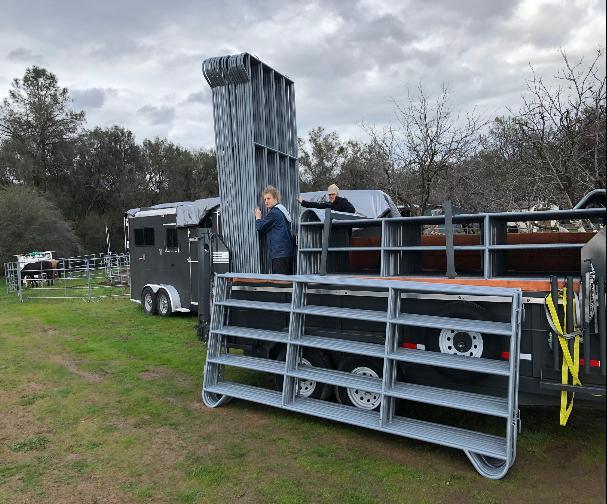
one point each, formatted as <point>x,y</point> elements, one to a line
<point>148,301</point>
<point>468,344</point>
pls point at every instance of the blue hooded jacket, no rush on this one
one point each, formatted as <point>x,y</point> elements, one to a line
<point>277,226</point>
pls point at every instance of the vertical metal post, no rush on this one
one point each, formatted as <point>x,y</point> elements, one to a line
<point>554,293</point>
<point>19,284</point>
<point>386,411</point>
<point>88,279</point>
<point>296,329</point>
<point>326,233</point>
<point>570,313</point>
<point>601,319</point>
<point>449,239</point>
<point>585,322</point>
<point>487,242</point>
<point>382,252</point>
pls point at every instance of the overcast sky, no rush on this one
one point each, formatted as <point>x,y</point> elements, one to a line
<point>138,63</point>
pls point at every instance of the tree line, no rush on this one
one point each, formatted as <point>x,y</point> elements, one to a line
<point>53,169</point>
<point>551,151</point>
<point>88,177</point>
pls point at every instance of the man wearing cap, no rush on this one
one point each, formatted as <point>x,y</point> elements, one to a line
<point>335,202</point>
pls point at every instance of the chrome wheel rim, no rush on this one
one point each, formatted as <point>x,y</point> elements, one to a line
<point>465,343</point>
<point>163,304</point>
<point>306,387</point>
<point>148,302</point>
<point>361,398</point>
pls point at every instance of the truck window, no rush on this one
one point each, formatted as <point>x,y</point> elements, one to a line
<point>171,238</point>
<point>144,237</point>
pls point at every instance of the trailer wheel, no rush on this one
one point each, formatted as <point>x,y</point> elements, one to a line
<point>163,303</point>
<point>148,301</point>
<point>361,366</point>
<point>464,343</point>
<point>309,388</point>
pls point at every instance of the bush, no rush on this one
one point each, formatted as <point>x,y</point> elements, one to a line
<point>31,222</point>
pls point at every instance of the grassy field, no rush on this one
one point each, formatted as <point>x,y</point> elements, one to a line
<point>99,403</point>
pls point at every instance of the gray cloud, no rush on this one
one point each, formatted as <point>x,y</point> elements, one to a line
<point>348,59</point>
<point>23,54</point>
<point>91,98</point>
<point>198,97</point>
<point>157,115</point>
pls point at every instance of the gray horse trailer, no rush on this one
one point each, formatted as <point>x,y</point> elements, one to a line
<point>163,243</point>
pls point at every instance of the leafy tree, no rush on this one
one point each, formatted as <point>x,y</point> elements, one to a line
<point>205,179</point>
<point>35,223</point>
<point>37,130</point>
<point>320,159</point>
<point>107,175</point>
<point>174,173</point>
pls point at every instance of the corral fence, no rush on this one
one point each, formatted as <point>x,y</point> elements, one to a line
<point>83,277</point>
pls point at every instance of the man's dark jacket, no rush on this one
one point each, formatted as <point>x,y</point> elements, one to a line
<point>339,205</point>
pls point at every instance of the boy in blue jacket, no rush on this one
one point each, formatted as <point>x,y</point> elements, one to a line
<point>276,225</point>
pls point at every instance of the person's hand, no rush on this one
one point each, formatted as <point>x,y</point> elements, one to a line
<point>258,213</point>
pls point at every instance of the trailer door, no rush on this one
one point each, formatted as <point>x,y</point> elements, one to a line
<point>193,263</point>
<point>142,248</point>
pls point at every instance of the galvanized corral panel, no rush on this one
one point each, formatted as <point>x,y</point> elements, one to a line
<point>256,141</point>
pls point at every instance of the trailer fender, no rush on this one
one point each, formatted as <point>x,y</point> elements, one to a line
<point>173,294</point>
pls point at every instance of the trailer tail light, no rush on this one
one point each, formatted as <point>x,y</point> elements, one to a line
<point>593,362</point>
<point>413,346</point>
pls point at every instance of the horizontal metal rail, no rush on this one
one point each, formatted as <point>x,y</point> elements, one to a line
<point>490,454</point>
<point>327,246</point>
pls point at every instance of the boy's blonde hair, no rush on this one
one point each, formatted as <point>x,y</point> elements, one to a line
<point>272,191</point>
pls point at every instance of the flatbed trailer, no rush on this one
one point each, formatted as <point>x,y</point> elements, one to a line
<point>330,345</point>
<point>385,315</point>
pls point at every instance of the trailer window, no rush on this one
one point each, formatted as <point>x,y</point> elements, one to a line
<point>144,237</point>
<point>172,238</point>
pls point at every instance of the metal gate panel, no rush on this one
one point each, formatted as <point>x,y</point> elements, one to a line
<point>491,455</point>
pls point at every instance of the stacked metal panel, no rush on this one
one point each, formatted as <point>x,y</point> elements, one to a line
<point>256,141</point>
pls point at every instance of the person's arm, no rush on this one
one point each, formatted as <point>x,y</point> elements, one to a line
<point>313,204</point>
<point>265,224</point>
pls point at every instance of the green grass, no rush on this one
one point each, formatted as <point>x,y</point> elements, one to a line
<point>33,443</point>
<point>98,399</point>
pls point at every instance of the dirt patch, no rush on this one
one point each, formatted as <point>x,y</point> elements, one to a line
<point>562,451</point>
<point>73,366</point>
<point>162,373</point>
<point>16,422</point>
<point>84,492</point>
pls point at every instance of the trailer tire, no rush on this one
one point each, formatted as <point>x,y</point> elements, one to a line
<point>148,301</point>
<point>309,388</point>
<point>163,303</point>
<point>363,366</point>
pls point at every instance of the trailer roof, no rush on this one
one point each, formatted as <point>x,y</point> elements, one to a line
<point>369,203</point>
<point>187,213</point>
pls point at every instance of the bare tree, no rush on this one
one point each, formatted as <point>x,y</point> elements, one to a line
<point>563,128</point>
<point>434,140</point>
<point>385,163</point>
